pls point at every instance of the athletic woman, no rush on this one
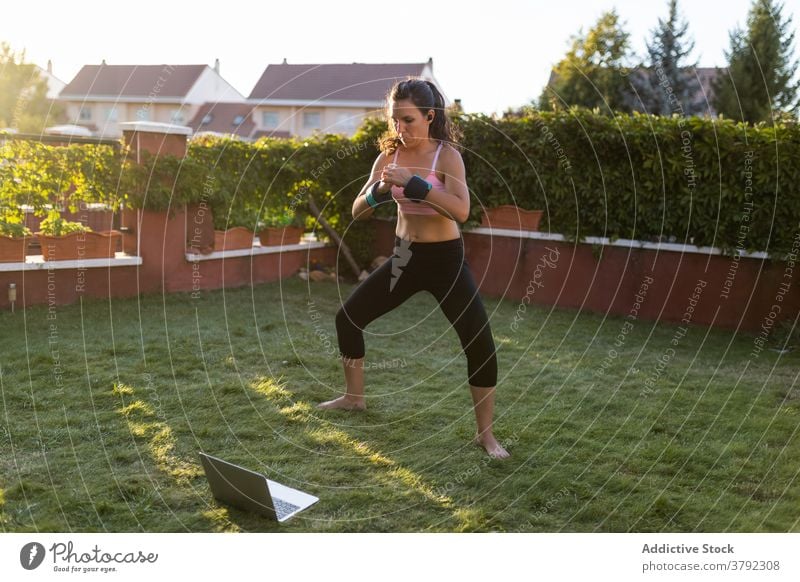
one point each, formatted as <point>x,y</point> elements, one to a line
<point>420,171</point>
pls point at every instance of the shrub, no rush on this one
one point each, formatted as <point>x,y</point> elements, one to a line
<point>693,180</point>
<point>55,225</point>
<point>13,228</point>
<point>43,176</point>
<point>163,181</point>
<point>690,180</point>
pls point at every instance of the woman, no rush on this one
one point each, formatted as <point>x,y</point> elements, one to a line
<point>422,172</point>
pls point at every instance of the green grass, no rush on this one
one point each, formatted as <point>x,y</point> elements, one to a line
<point>112,445</point>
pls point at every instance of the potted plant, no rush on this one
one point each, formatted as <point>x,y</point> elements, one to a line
<point>67,240</point>
<point>236,237</point>
<point>14,239</point>
<point>280,227</point>
<point>230,231</point>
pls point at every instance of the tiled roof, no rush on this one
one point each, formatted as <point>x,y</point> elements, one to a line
<point>233,118</point>
<point>133,81</point>
<point>336,82</point>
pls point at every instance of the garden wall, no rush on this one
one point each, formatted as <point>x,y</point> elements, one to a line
<point>657,282</point>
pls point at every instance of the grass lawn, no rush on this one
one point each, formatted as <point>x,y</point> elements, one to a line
<point>105,405</point>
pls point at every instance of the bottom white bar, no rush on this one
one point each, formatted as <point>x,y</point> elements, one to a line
<point>350,557</point>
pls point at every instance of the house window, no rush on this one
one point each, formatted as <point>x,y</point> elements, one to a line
<point>85,114</point>
<point>176,116</point>
<point>238,120</point>
<point>143,113</point>
<point>270,119</point>
<point>207,118</point>
<point>347,122</point>
<point>112,114</point>
<point>312,119</point>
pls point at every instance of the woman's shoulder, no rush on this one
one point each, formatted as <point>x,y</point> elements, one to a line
<point>382,159</point>
<point>449,154</point>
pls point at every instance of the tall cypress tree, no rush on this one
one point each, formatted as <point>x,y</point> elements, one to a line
<point>665,85</point>
<point>760,69</point>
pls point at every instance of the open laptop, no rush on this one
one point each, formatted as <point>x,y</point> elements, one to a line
<point>252,491</point>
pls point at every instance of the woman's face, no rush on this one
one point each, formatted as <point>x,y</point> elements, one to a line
<point>410,124</point>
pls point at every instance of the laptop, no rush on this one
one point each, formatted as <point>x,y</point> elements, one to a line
<point>252,491</point>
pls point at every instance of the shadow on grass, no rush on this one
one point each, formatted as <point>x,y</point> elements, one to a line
<point>382,468</point>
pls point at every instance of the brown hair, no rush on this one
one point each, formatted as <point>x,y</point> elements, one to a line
<point>425,96</point>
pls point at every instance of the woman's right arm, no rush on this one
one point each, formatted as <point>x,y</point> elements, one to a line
<point>361,209</point>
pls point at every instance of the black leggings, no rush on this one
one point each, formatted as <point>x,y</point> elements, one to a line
<point>439,268</point>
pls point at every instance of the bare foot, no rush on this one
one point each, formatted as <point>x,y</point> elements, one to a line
<point>493,448</point>
<point>343,403</point>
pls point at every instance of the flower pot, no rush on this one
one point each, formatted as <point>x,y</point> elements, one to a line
<point>512,217</point>
<point>234,238</point>
<point>13,249</point>
<point>283,235</point>
<point>80,245</point>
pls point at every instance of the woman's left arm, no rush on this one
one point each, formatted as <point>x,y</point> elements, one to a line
<point>453,201</point>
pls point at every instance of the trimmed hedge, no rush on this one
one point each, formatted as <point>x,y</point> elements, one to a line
<point>253,181</point>
<point>39,175</point>
<point>692,180</point>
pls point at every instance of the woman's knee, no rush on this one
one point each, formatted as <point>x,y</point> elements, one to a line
<point>344,321</point>
<point>350,337</point>
<point>481,357</point>
<point>482,370</point>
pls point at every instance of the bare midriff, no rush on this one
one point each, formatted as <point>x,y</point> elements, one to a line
<point>421,228</point>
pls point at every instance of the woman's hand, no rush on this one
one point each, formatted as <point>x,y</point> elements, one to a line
<point>392,174</point>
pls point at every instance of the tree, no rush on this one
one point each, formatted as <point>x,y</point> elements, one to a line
<point>665,85</point>
<point>592,74</point>
<point>23,93</point>
<point>759,81</point>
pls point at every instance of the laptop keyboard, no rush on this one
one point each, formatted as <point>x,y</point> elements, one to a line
<point>283,508</point>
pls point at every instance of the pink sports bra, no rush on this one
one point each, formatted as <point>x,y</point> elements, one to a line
<point>406,206</point>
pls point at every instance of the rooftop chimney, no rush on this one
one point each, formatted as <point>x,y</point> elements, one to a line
<point>216,66</point>
<point>49,66</point>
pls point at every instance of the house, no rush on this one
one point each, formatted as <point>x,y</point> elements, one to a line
<point>54,84</point>
<point>330,98</point>
<point>707,76</point>
<point>231,119</point>
<point>223,119</point>
<point>102,96</point>
<point>699,102</point>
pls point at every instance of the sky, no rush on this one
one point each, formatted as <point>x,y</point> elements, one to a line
<point>491,55</point>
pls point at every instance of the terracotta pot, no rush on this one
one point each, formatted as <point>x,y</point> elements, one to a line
<point>512,217</point>
<point>13,249</point>
<point>286,235</point>
<point>80,245</point>
<point>234,238</point>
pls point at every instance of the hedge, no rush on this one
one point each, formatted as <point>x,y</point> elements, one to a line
<point>693,180</point>
<point>690,180</point>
